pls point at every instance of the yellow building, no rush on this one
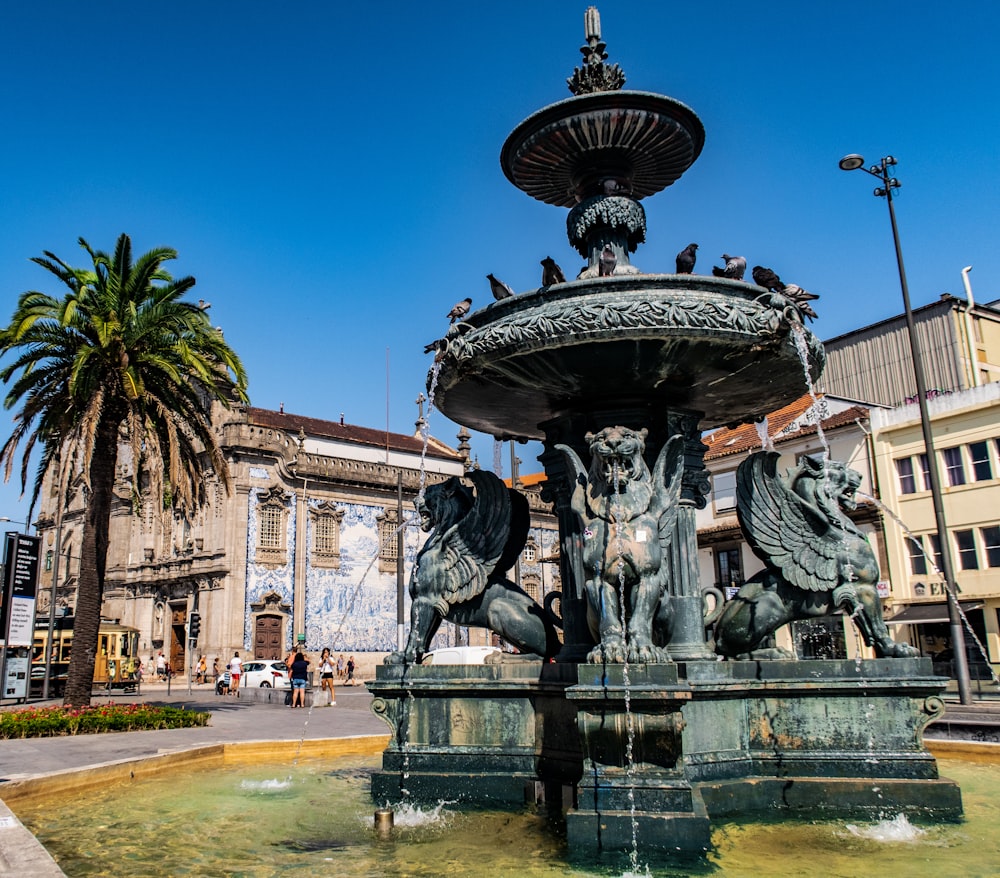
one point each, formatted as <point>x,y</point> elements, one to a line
<point>966,429</point>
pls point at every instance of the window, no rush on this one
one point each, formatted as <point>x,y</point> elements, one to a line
<point>925,471</point>
<point>936,550</point>
<point>966,542</point>
<point>907,480</point>
<point>272,512</point>
<point>530,551</point>
<point>953,465</point>
<point>326,520</point>
<point>979,453</point>
<point>270,533</point>
<point>729,568</point>
<point>388,539</point>
<point>991,544</point>
<point>724,491</point>
<point>532,587</point>
<point>918,560</point>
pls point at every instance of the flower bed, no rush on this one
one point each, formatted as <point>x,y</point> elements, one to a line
<point>46,722</point>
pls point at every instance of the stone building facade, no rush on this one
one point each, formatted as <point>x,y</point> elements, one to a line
<point>303,550</point>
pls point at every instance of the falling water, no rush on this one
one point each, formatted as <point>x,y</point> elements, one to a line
<point>802,348</point>
<point>763,431</point>
<point>498,457</point>
<point>617,516</point>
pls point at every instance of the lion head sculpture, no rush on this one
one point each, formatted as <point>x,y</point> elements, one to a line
<point>829,485</point>
<point>443,504</point>
<point>616,460</point>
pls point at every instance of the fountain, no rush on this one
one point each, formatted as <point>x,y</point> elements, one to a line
<point>637,728</point>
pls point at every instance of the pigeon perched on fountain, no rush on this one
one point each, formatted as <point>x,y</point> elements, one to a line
<point>607,261</point>
<point>767,279</point>
<point>460,310</point>
<point>734,269</point>
<point>500,289</point>
<point>801,299</point>
<point>551,273</point>
<point>686,259</point>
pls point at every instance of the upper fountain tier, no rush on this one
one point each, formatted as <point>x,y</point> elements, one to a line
<point>604,141</point>
<point>630,142</point>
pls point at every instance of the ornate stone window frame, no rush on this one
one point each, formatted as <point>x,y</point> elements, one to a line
<point>530,551</point>
<point>388,548</point>
<point>326,520</point>
<point>273,507</point>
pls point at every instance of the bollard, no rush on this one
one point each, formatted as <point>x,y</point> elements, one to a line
<point>383,822</point>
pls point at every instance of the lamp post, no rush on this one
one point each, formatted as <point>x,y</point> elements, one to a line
<point>881,171</point>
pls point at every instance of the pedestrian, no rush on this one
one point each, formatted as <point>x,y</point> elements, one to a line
<point>161,666</point>
<point>235,671</point>
<point>202,670</point>
<point>340,667</point>
<point>215,668</point>
<point>300,677</point>
<point>350,671</point>
<point>326,676</point>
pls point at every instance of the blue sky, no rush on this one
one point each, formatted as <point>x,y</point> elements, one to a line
<point>330,172</point>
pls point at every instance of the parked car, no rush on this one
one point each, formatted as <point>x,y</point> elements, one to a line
<point>266,674</point>
<point>460,655</point>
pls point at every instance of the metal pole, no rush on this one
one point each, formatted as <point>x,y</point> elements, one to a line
<point>400,573</point>
<point>514,474</point>
<point>56,549</point>
<point>954,617</point>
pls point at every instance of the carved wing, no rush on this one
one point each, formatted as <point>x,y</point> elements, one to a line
<point>782,531</point>
<point>578,474</point>
<point>667,495</point>
<point>475,545</point>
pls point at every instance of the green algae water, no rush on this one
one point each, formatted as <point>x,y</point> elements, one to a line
<point>315,819</point>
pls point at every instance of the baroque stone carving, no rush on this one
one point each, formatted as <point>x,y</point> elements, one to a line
<point>818,561</point>
<point>459,575</point>
<point>627,516</point>
<point>615,212</point>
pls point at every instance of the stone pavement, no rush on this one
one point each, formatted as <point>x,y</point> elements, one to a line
<point>233,721</point>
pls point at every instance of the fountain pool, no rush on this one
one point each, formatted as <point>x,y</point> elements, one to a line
<point>315,818</point>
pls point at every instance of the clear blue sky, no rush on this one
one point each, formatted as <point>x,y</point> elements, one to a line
<point>330,172</point>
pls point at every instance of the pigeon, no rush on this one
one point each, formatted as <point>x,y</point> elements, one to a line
<point>767,279</point>
<point>607,261</point>
<point>735,267</point>
<point>801,299</point>
<point>686,258</point>
<point>500,289</point>
<point>551,273</point>
<point>460,310</point>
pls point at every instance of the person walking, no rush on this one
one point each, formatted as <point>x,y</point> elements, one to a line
<point>340,667</point>
<point>161,666</point>
<point>326,676</point>
<point>350,671</point>
<point>235,672</point>
<point>300,677</point>
<point>202,670</point>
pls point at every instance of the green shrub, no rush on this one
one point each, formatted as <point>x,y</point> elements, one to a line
<point>44,722</point>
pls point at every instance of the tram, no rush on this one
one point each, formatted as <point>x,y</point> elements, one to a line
<point>116,664</point>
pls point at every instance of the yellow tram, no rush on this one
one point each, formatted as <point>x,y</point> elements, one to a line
<point>116,664</point>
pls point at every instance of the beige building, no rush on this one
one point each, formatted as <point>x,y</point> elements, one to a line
<point>966,428</point>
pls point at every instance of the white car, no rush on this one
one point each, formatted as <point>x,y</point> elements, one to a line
<point>266,675</point>
<point>460,655</point>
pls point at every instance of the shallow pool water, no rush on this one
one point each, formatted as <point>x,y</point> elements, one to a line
<point>316,819</point>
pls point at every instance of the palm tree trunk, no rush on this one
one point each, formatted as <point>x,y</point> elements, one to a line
<point>93,563</point>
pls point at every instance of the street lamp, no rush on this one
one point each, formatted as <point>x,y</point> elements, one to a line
<point>855,162</point>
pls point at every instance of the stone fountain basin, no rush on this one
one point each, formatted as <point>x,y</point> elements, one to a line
<point>712,346</point>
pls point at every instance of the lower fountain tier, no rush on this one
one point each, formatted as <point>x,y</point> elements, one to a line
<point>687,342</point>
<point>713,740</point>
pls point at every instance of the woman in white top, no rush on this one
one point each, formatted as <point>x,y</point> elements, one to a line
<point>326,676</point>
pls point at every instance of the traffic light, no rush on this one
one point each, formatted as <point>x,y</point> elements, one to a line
<point>194,626</point>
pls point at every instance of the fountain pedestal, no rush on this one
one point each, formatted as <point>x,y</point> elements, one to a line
<point>633,786</point>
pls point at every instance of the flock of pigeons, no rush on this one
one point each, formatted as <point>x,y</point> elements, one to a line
<point>734,269</point>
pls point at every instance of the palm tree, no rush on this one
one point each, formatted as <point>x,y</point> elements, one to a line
<point>121,360</point>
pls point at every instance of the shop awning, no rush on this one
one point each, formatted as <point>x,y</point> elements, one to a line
<point>926,614</point>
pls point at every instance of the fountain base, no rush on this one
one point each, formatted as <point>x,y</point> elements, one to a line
<point>709,740</point>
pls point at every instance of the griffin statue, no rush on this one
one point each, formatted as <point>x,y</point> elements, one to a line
<point>460,573</point>
<point>818,561</point>
<point>627,516</point>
